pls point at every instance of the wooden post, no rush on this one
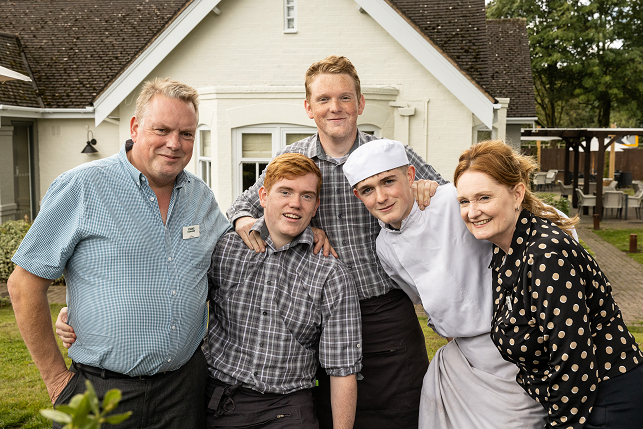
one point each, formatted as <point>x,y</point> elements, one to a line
<point>633,244</point>
<point>597,221</point>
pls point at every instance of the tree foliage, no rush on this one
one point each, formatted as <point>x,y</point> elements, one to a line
<point>587,58</point>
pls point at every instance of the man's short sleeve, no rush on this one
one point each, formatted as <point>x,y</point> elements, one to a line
<point>57,229</point>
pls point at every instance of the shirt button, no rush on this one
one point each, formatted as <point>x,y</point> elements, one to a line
<point>256,373</point>
<point>173,292</point>
<point>173,327</point>
<point>344,242</point>
<point>169,360</point>
<point>339,190</point>
<point>265,313</point>
<point>260,344</point>
<point>269,282</point>
<point>340,215</point>
<point>151,198</point>
<point>169,259</point>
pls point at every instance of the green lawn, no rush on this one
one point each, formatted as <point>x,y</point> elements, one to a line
<point>23,394</point>
<point>620,238</point>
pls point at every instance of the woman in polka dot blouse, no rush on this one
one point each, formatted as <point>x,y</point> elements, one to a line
<point>554,314</point>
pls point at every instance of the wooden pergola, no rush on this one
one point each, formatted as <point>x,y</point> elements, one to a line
<point>577,138</point>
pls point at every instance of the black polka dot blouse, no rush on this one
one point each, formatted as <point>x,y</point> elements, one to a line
<point>556,319</point>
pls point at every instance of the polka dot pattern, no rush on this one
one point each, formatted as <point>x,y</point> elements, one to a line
<point>563,329</point>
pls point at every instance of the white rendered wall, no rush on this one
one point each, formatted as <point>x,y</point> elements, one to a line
<point>60,142</point>
<point>245,47</point>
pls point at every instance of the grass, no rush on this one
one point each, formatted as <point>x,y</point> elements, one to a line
<point>22,392</point>
<point>620,238</point>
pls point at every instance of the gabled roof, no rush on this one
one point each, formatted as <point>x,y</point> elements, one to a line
<point>457,27</point>
<point>510,66</point>
<point>17,92</point>
<point>76,48</point>
<point>95,52</point>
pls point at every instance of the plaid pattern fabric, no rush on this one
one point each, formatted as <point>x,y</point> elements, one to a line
<point>351,229</point>
<point>136,290</point>
<point>275,315</point>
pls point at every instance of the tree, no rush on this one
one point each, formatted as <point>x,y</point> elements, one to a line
<point>586,56</point>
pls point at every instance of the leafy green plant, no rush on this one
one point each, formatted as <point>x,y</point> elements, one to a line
<point>11,234</point>
<point>561,204</point>
<point>76,414</point>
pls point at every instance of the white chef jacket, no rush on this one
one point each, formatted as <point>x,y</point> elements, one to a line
<point>436,260</point>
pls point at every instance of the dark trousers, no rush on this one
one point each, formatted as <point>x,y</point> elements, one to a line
<point>237,407</point>
<point>394,364</point>
<point>618,402</point>
<point>173,400</point>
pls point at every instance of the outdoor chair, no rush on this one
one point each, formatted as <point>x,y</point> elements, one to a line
<point>539,180</point>
<point>565,190</point>
<point>636,185</point>
<point>585,200</point>
<point>635,202</point>
<point>611,186</point>
<point>613,200</point>
<point>550,178</point>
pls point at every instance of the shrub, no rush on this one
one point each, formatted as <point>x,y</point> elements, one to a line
<point>561,204</point>
<point>11,235</point>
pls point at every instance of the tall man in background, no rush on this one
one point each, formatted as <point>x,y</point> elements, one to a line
<point>133,234</point>
<point>394,354</point>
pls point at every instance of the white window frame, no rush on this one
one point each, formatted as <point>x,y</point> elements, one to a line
<point>290,18</point>
<point>278,132</point>
<point>203,160</point>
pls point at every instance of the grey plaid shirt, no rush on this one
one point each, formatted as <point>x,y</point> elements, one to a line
<point>275,316</point>
<point>351,229</point>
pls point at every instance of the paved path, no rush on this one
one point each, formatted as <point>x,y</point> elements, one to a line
<point>56,294</point>
<point>624,274</point>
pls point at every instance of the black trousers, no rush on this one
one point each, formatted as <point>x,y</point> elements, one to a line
<point>237,407</point>
<point>618,402</point>
<point>394,364</point>
<point>173,400</point>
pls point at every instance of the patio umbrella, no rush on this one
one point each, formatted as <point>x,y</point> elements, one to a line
<point>6,74</point>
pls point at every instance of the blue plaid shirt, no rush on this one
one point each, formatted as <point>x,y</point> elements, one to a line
<point>136,289</point>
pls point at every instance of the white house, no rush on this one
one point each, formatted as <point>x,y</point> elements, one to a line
<point>436,75</point>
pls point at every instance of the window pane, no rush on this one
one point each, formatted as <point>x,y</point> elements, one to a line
<point>290,11</point>
<point>205,171</point>
<point>291,23</point>
<point>368,132</point>
<point>206,143</point>
<point>256,146</point>
<point>291,138</point>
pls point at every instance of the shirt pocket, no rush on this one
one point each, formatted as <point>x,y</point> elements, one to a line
<point>199,248</point>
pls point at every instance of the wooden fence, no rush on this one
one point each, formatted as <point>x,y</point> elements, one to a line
<point>554,159</point>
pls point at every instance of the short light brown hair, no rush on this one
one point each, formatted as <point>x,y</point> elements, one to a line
<point>333,64</point>
<point>168,88</point>
<point>499,161</point>
<point>291,166</point>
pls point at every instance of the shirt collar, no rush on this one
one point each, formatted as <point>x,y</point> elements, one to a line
<point>507,262</point>
<point>181,180</point>
<point>317,149</point>
<point>407,222</point>
<point>305,238</point>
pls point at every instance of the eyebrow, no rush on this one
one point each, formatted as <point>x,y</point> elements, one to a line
<point>383,179</point>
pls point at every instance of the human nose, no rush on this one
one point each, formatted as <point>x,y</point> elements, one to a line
<point>380,194</point>
<point>335,105</point>
<point>474,211</point>
<point>173,141</point>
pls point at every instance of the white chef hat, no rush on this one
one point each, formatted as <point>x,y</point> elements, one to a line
<point>373,158</point>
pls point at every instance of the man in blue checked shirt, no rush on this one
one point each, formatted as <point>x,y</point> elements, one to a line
<point>133,234</point>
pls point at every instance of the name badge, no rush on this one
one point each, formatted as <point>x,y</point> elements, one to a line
<point>190,232</point>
